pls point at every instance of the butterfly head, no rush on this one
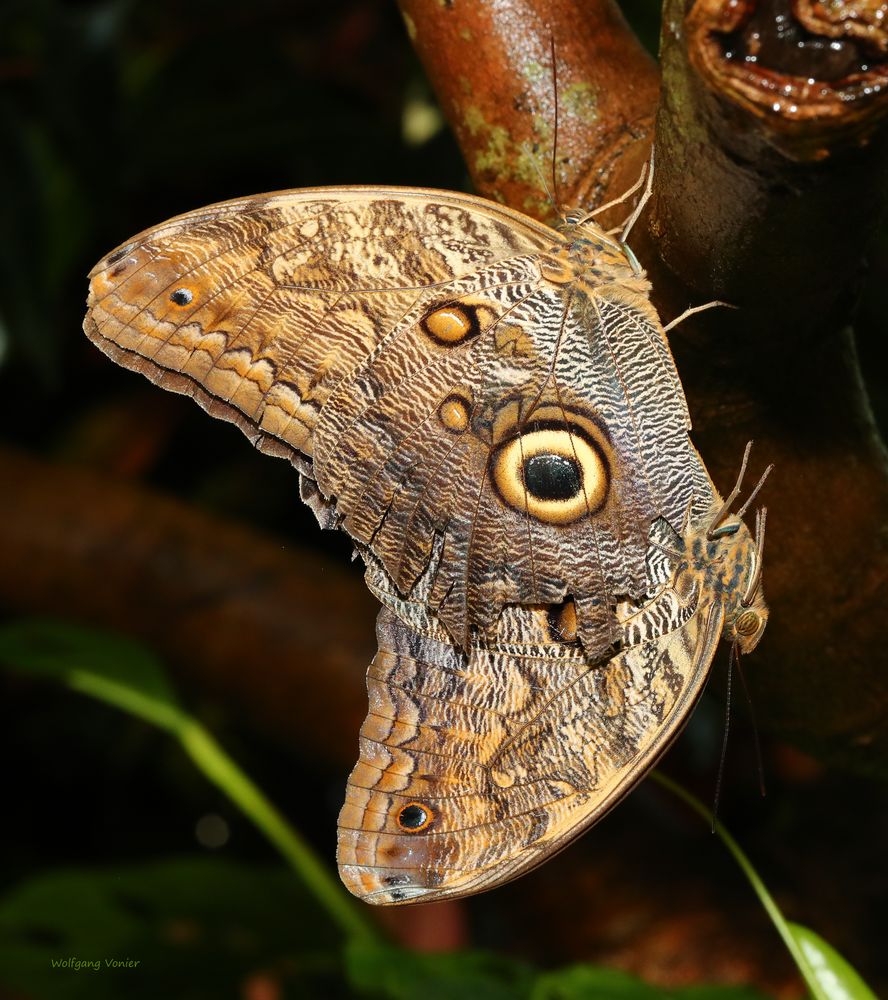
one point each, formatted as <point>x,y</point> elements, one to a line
<point>731,560</point>
<point>596,251</point>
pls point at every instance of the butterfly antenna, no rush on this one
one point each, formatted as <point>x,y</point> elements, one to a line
<point>724,750</point>
<point>544,184</point>
<point>732,496</point>
<point>695,309</point>
<point>642,201</point>
<point>755,732</point>
<point>754,493</point>
<point>557,202</point>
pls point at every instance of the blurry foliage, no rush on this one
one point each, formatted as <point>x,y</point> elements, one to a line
<point>205,929</point>
<point>117,113</point>
<point>198,927</point>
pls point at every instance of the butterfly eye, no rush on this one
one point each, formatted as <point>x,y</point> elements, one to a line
<point>182,296</point>
<point>414,817</point>
<point>748,623</point>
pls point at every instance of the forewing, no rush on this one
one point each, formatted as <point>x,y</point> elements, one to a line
<point>406,352</point>
<point>259,307</point>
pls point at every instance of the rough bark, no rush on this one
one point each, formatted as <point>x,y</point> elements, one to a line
<point>492,68</point>
<point>770,202</point>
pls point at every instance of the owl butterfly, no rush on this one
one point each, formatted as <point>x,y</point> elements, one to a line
<point>490,409</point>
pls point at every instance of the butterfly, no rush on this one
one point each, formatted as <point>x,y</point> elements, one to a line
<point>490,409</point>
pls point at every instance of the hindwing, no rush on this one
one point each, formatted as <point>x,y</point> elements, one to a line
<point>476,767</point>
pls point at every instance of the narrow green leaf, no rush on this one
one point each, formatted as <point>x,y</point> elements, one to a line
<point>108,667</point>
<point>835,976</point>
<point>125,675</point>
<point>818,963</point>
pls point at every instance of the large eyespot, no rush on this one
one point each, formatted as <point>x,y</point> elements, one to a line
<point>556,473</point>
<point>182,296</point>
<point>414,817</point>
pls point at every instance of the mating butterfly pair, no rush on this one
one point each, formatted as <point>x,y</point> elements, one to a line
<point>490,409</point>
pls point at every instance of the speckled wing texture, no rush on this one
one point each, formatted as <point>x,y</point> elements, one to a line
<point>475,767</point>
<point>448,376</point>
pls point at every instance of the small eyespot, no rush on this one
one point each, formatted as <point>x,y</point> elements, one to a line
<point>454,413</point>
<point>414,817</point>
<point>181,296</point>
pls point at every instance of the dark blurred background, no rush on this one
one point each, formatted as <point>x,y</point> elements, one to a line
<point>117,115</point>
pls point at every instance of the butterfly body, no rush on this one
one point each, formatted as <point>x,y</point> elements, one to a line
<point>490,409</point>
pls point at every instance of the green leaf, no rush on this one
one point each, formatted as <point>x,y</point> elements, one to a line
<point>109,667</point>
<point>827,975</point>
<point>196,927</point>
<point>589,982</point>
<point>382,971</point>
<point>834,977</point>
<point>127,676</point>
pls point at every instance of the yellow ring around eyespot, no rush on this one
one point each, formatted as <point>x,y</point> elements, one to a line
<point>508,475</point>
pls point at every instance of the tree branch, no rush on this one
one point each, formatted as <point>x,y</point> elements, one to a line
<point>491,66</point>
<point>770,202</point>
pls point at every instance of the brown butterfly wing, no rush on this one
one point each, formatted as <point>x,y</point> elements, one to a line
<point>474,769</point>
<point>405,350</point>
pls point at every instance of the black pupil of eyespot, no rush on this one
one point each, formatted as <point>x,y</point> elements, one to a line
<point>552,477</point>
<point>412,817</point>
<point>181,296</point>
